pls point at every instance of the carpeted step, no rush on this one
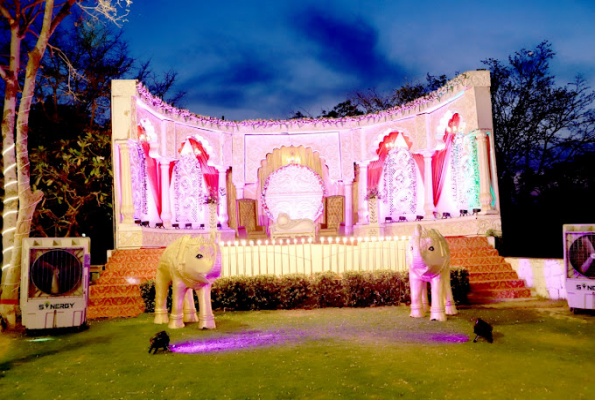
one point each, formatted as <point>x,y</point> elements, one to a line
<point>473,252</point>
<point>97,291</point>
<point>477,261</point>
<point>124,272</point>
<point>118,311</point>
<point>116,301</point>
<point>137,255</point>
<point>497,284</point>
<point>504,267</point>
<point>488,296</point>
<point>491,276</point>
<point>458,242</point>
<point>124,280</point>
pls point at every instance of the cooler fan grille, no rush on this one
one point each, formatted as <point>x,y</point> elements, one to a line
<point>581,255</point>
<point>55,272</point>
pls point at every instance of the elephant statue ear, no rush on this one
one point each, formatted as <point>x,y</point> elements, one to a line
<point>180,257</point>
<point>417,231</point>
<point>214,237</point>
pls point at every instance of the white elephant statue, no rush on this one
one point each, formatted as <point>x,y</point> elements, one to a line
<point>188,263</point>
<point>428,259</point>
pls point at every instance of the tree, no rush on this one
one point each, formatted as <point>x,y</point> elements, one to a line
<point>344,109</point>
<point>33,21</point>
<point>76,177</point>
<point>537,123</point>
<point>371,101</point>
<point>75,172</point>
<point>541,132</point>
<point>160,86</point>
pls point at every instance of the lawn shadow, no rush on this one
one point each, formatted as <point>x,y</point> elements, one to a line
<point>7,365</point>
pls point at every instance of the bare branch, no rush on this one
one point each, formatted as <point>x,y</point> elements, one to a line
<point>109,9</point>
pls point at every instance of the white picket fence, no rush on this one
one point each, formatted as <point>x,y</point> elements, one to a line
<point>289,256</point>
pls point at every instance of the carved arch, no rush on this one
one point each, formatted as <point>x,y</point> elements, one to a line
<point>206,145</point>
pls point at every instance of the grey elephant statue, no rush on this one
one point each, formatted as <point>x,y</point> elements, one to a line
<point>428,259</point>
<point>187,264</point>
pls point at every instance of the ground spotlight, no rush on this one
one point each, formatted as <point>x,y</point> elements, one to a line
<point>483,329</point>
<point>159,341</point>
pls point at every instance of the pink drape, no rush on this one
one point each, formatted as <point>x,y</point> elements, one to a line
<point>419,160</point>
<point>375,167</point>
<point>210,173</point>
<point>439,158</point>
<point>152,169</point>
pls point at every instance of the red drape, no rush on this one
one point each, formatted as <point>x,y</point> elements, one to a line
<point>438,173</point>
<point>152,169</point>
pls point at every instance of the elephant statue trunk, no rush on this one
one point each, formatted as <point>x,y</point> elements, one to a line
<point>428,259</point>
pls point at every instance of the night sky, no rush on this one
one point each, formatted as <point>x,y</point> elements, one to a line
<point>255,59</point>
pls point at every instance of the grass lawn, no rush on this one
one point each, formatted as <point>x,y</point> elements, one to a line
<point>538,353</point>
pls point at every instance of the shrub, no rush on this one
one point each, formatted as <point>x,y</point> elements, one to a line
<point>359,288</point>
<point>262,292</point>
<point>375,288</point>
<point>230,294</point>
<point>147,292</point>
<point>296,291</point>
<point>329,290</point>
<point>459,282</point>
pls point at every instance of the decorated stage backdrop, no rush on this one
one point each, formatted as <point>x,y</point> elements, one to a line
<point>431,160</point>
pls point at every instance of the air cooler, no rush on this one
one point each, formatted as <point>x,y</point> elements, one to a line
<point>54,282</point>
<point>579,259</point>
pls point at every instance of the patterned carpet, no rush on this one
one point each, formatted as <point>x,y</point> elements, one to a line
<point>116,293</point>
<point>490,277</point>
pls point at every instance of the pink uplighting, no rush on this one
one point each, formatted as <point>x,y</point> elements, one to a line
<point>235,341</point>
<point>263,339</point>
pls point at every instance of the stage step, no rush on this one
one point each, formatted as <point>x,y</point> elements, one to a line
<point>496,295</point>
<point>490,277</point>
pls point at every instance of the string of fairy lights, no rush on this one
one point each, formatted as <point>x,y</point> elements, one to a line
<point>7,201</point>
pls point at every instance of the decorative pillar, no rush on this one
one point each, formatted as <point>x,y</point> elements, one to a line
<point>348,193</point>
<point>373,211</point>
<point>485,194</point>
<point>362,209</point>
<point>239,190</point>
<point>223,216</point>
<point>165,193</point>
<point>428,186</point>
<point>126,206</point>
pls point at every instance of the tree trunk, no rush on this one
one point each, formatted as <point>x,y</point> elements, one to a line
<point>9,291</point>
<point>20,227</point>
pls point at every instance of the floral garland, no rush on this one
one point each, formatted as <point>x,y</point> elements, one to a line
<point>211,199</point>
<point>278,170</point>
<point>415,105</point>
<point>465,170</point>
<point>373,193</point>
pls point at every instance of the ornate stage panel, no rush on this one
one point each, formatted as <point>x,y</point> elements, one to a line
<point>294,190</point>
<point>327,144</point>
